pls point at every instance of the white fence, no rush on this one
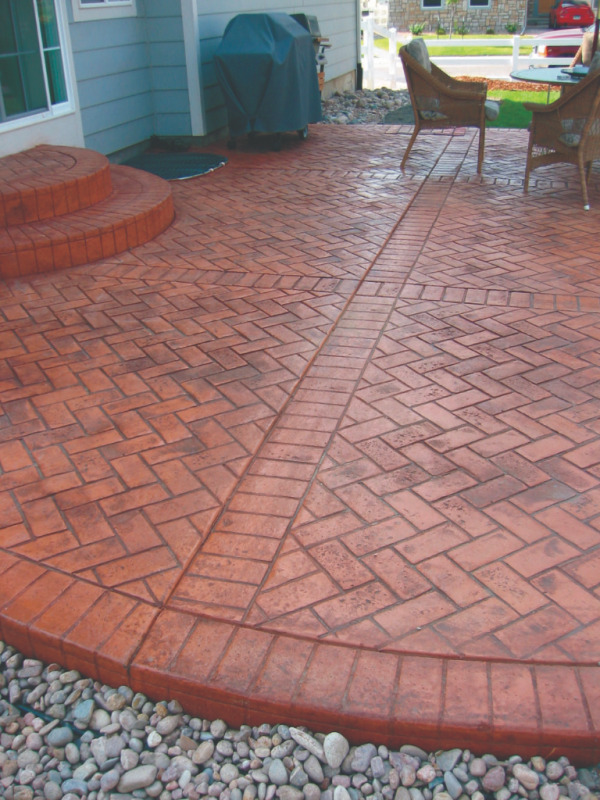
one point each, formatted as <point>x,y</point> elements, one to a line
<point>369,52</point>
<point>378,9</point>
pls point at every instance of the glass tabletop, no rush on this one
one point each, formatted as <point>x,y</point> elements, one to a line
<point>551,75</point>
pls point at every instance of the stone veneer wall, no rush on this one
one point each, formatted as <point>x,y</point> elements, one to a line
<point>404,13</point>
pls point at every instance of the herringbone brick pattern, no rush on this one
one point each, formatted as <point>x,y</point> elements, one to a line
<point>336,422</point>
<point>135,413</point>
<point>446,512</point>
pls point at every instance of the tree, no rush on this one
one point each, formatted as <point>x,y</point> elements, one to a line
<point>452,4</point>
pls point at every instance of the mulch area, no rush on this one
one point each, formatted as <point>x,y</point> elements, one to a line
<point>494,84</point>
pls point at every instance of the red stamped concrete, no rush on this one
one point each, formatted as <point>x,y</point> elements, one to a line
<point>62,207</point>
<point>326,450</point>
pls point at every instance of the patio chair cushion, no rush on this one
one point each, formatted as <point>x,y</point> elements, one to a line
<point>418,50</point>
<point>429,108</point>
<point>572,128</point>
<point>492,109</point>
<point>570,139</point>
<point>432,115</point>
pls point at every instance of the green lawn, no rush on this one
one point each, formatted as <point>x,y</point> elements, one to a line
<point>512,114</point>
<point>524,50</point>
<point>477,51</point>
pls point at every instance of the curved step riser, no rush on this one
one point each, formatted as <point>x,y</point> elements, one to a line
<point>47,182</point>
<point>94,210</point>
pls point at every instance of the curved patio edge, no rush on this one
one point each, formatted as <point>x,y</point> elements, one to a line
<point>217,669</point>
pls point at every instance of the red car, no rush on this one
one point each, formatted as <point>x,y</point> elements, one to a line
<point>571,14</point>
<point>558,48</point>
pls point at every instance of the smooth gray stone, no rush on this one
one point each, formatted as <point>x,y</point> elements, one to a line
<point>83,711</point>
<point>289,793</point>
<point>448,759</point>
<point>494,779</point>
<point>311,792</point>
<point>314,770</point>
<point>453,785</point>
<point>298,777</point>
<point>52,791</point>
<point>167,725</point>
<point>110,780</point>
<point>229,772</point>
<point>362,757</point>
<point>137,778</point>
<point>336,748</point>
<point>59,737</point>
<point>106,747</point>
<point>74,786</point>
<point>277,772</point>
<point>413,750</point>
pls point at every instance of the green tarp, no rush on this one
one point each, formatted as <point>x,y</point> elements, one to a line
<point>265,65</point>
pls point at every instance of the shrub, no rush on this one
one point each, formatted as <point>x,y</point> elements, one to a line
<point>417,28</point>
<point>461,30</point>
<point>441,31</point>
<point>511,27</point>
<point>490,31</point>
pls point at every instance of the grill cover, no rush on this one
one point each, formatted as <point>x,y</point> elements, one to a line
<point>265,65</point>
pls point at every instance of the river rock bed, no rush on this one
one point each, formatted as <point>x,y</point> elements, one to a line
<point>363,106</point>
<point>64,736</point>
<point>384,105</point>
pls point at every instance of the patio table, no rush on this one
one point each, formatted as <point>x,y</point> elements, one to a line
<point>553,76</point>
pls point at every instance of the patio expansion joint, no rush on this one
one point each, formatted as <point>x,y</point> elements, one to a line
<point>321,286</point>
<point>354,295</point>
<point>290,399</point>
<point>443,293</point>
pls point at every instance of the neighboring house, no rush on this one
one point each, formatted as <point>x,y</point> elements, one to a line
<point>479,16</point>
<point>110,74</point>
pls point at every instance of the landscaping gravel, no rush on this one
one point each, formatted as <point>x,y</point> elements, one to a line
<point>392,106</point>
<point>64,737</point>
<point>358,107</point>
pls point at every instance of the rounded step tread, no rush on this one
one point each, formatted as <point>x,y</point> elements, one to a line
<point>138,209</point>
<point>49,181</point>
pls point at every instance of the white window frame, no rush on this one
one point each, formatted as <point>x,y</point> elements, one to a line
<point>56,109</point>
<point>103,9</point>
<point>61,123</point>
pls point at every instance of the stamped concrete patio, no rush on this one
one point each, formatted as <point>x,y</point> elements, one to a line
<point>325,451</point>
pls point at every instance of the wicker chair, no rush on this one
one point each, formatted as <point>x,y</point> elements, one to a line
<point>440,101</point>
<point>567,131</point>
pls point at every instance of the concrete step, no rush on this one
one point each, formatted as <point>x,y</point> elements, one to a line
<point>62,207</point>
<point>47,182</point>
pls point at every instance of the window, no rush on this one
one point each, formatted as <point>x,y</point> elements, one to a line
<point>431,4</point>
<point>32,77</point>
<point>479,3</point>
<point>84,10</point>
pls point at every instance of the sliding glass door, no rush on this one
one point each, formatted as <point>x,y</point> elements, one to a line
<point>32,76</point>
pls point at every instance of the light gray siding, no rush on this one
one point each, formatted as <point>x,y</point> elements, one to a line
<point>166,53</point>
<point>131,76</point>
<point>113,81</point>
<point>337,20</point>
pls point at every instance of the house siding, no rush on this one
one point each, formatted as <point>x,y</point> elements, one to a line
<point>113,81</point>
<point>337,20</point>
<point>131,77</point>
<point>166,51</point>
<point>404,13</point>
